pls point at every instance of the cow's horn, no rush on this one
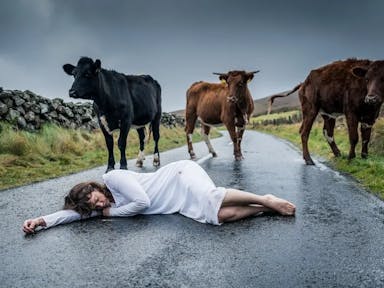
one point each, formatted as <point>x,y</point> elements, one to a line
<point>215,73</point>
<point>254,72</point>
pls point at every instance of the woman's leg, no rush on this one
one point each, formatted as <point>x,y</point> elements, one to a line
<point>234,213</point>
<point>239,198</point>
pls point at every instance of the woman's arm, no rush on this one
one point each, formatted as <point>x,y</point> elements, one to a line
<point>54,219</point>
<point>131,192</point>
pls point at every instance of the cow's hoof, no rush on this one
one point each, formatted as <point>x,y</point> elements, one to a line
<point>239,158</point>
<point>156,163</point>
<point>214,154</point>
<point>337,154</point>
<point>193,156</point>
<point>351,156</point>
<point>309,161</point>
<point>364,155</point>
<point>123,167</point>
<point>139,164</point>
<point>109,169</point>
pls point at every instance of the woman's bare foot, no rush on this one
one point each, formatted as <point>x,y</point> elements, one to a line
<point>280,205</point>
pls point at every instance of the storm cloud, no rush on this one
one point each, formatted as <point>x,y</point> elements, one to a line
<point>179,42</point>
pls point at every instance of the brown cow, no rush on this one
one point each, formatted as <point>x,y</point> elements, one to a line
<point>229,103</point>
<point>352,87</point>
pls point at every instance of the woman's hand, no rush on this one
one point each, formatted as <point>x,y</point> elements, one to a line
<point>30,225</point>
<point>106,212</point>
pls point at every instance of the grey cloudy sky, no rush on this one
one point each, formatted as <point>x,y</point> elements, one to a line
<point>179,42</point>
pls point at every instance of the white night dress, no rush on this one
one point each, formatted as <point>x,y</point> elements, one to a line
<point>179,187</point>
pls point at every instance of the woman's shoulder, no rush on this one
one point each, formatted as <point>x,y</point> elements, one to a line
<point>119,171</point>
<point>113,174</point>
<point>181,163</point>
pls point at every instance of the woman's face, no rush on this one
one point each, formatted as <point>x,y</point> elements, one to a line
<point>98,200</point>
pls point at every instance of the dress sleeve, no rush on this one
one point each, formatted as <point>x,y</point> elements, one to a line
<point>65,216</point>
<point>130,190</point>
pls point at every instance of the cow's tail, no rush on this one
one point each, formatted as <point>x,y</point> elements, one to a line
<point>297,87</point>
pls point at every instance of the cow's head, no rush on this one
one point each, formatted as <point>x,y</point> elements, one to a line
<point>374,77</point>
<point>86,83</point>
<point>237,84</point>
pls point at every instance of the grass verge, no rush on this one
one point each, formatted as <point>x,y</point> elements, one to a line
<point>53,151</point>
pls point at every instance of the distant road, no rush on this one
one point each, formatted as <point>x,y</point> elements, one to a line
<point>335,240</point>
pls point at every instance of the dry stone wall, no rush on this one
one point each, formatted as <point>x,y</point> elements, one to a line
<point>29,111</point>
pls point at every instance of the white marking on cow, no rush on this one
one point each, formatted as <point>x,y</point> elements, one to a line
<point>208,124</point>
<point>104,122</point>
<point>156,160</point>
<point>141,156</point>
<point>232,99</point>
<point>330,115</point>
<point>146,135</point>
<point>365,126</point>
<point>328,138</point>
<point>207,141</point>
<point>138,126</point>
<point>245,115</point>
<point>189,137</point>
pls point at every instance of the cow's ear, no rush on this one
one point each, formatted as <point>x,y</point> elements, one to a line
<point>249,77</point>
<point>68,68</point>
<point>359,72</point>
<point>97,66</point>
<point>223,78</point>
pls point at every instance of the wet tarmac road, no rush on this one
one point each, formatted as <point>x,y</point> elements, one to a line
<point>335,240</point>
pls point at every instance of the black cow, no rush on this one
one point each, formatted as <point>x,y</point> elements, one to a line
<point>120,102</point>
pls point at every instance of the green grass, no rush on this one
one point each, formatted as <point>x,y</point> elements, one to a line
<point>274,116</point>
<point>53,151</point>
<point>368,172</point>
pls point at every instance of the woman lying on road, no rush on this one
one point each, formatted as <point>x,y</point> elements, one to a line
<point>181,186</point>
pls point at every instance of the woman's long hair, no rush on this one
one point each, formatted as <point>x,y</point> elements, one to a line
<point>78,197</point>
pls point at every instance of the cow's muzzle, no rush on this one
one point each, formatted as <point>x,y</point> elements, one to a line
<point>73,94</point>
<point>371,99</point>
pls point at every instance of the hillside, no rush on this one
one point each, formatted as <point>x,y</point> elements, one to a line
<point>179,113</point>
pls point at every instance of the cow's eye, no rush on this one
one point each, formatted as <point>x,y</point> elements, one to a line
<point>88,75</point>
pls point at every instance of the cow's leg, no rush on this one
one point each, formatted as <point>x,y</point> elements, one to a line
<point>309,116</point>
<point>122,144</point>
<point>205,134</point>
<point>365,130</point>
<point>190,121</point>
<point>232,132</point>
<point>240,128</point>
<point>353,135</point>
<point>328,132</point>
<point>240,132</point>
<point>109,142</point>
<point>141,157</point>
<point>155,126</point>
